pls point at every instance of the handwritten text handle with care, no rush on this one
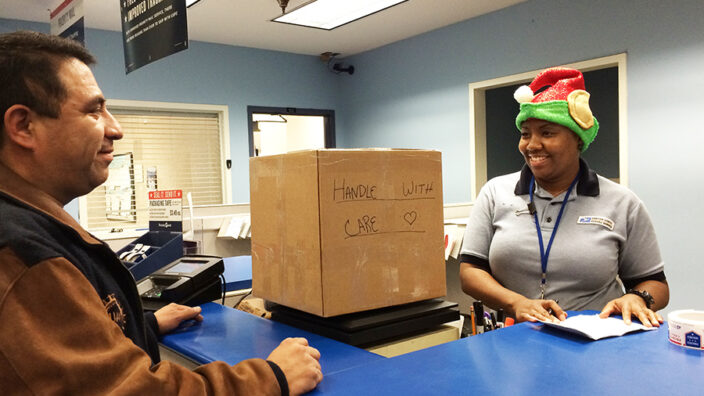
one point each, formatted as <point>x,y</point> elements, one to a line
<point>368,224</point>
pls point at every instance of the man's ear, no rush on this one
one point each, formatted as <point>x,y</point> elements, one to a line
<point>19,128</point>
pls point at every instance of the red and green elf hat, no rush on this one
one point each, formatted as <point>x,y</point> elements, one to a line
<point>564,102</point>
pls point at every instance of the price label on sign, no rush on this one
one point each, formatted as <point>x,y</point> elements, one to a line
<point>165,212</point>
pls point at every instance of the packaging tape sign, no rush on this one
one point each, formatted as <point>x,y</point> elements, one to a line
<point>686,328</point>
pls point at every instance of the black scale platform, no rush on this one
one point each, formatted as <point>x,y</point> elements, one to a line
<point>369,327</point>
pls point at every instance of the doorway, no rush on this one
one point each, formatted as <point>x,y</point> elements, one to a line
<point>494,138</point>
<point>278,130</point>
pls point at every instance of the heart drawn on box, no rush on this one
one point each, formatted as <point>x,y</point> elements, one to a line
<point>410,217</point>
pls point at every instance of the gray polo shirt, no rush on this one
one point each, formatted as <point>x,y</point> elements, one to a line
<point>605,232</point>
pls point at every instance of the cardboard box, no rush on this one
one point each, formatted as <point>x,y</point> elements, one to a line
<point>342,231</point>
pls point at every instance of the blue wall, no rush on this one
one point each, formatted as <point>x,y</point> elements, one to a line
<point>212,74</point>
<point>414,93</point>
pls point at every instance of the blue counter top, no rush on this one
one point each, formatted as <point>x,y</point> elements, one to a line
<point>231,335</point>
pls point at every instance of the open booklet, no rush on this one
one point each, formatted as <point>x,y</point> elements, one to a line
<point>594,327</point>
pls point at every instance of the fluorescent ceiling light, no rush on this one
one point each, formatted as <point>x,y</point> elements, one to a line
<point>329,14</point>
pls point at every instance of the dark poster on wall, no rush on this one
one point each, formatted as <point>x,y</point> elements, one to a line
<point>151,30</point>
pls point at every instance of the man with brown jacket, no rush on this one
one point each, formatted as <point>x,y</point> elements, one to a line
<point>71,320</point>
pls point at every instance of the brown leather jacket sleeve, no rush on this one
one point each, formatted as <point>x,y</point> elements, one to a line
<point>56,338</point>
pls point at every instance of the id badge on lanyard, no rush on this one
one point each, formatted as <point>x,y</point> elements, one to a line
<point>545,253</point>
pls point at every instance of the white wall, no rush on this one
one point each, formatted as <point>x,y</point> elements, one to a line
<point>305,132</point>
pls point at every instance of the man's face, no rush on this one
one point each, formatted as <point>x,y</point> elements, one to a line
<point>76,149</point>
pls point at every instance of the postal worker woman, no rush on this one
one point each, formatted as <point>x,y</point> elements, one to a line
<point>556,236</point>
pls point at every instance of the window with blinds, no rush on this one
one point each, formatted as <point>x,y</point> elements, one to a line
<point>169,151</point>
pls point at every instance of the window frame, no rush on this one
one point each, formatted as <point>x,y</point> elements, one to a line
<point>477,113</point>
<point>220,111</point>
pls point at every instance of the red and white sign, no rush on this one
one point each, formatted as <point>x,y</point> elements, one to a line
<point>165,206</point>
<point>166,194</point>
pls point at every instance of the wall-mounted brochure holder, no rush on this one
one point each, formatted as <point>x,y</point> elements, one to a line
<point>151,251</point>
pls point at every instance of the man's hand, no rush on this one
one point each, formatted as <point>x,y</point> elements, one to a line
<point>300,363</point>
<point>631,305</point>
<point>170,316</point>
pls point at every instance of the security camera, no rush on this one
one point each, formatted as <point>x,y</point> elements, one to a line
<point>339,68</point>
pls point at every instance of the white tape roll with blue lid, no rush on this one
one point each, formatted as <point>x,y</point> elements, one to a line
<point>686,328</point>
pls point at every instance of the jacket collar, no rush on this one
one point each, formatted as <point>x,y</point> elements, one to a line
<point>588,183</point>
<point>23,192</point>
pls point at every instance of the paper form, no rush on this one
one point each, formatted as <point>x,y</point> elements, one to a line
<point>595,328</point>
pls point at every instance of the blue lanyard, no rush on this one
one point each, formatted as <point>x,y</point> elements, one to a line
<point>545,253</point>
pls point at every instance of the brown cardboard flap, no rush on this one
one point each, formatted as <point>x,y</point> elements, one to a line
<point>285,230</point>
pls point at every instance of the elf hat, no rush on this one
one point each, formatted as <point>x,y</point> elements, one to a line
<point>564,102</point>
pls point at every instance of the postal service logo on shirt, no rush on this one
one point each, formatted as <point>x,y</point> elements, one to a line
<point>598,220</point>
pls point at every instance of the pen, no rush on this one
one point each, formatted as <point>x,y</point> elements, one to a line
<point>478,314</point>
<point>487,322</point>
<point>493,321</point>
<point>551,312</point>
<point>474,324</point>
<point>500,317</point>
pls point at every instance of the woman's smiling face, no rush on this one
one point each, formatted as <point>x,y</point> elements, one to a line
<point>551,151</point>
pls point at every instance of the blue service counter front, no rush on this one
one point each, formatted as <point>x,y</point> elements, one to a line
<point>522,359</point>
